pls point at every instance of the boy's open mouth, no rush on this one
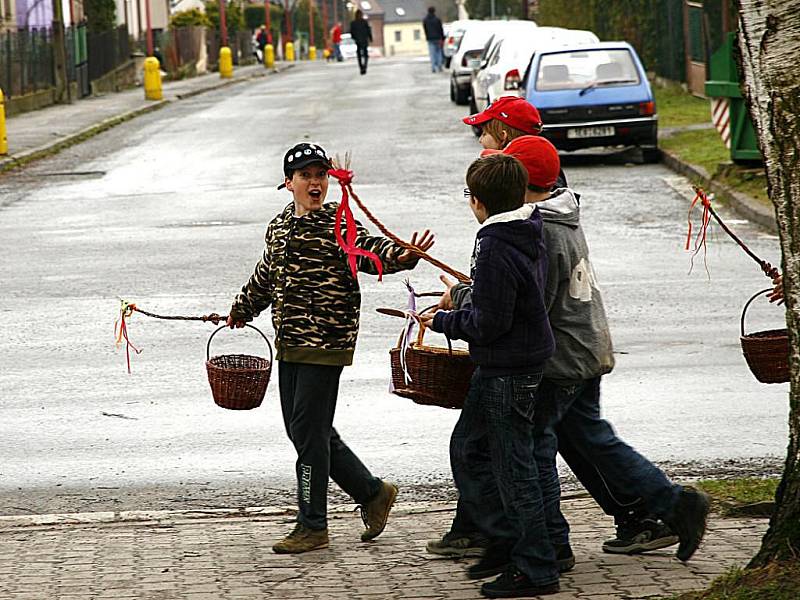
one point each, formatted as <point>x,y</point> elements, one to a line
<point>315,194</point>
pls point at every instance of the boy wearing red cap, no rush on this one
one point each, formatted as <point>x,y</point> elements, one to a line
<point>569,396</point>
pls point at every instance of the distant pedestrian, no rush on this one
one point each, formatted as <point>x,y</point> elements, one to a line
<point>336,39</point>
<point>262,40</point>
<point>307,279</point>
<point>362,35</point>
<point>434,33</point>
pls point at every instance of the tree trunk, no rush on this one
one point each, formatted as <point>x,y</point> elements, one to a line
<point>769,41</point>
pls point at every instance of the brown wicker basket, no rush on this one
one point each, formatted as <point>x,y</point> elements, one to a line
<point>238,381</point>
<point>766,352</point>
<point>438,376</point>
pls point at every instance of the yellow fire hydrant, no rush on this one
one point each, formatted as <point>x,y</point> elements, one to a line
<point>225,62</point>
<point>152,79</point>
<point>269,56</point>
<point>3,139</point>
<point>289,51</point>
<point>312,53</point>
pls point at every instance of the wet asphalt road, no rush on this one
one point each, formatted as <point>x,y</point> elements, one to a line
<point>169,211</point>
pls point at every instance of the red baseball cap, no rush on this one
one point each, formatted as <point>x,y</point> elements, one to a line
<point>514,111</point>
<point>537,155</point>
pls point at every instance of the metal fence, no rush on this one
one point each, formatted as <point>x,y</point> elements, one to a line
<point>26,61</point>
<point>107,50</point>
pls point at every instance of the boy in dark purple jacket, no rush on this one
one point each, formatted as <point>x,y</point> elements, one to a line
<point>509,337</point>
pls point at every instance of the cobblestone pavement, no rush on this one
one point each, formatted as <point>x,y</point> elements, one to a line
<point>225,555</point>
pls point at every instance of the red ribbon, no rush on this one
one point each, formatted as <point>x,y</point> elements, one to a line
<point>121,331</point>
<point>348,243</point>
<point>700,240</point>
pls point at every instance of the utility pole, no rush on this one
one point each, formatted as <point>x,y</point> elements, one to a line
<point>324,23</point>
<point>288,14</point>
<point>223,25</point>
<point>268,21</point>
<point>149,28</point>
<point>60,54</point>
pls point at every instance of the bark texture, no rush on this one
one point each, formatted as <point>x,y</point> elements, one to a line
<point>769,42</point>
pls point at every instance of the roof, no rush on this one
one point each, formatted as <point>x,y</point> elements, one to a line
<point>404,11</point>
<point>370,8</point>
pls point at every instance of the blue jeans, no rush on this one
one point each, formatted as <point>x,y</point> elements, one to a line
<point>436,54</point>
<point>570,415</point>
<point>490,451</point>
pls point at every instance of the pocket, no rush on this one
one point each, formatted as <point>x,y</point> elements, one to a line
<point>523,395</point>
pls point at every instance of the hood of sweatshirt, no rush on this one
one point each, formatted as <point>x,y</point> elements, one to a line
<point>563,206</point>
<point>520,228</point>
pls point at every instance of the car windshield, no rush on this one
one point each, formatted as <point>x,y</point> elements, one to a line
<point>586,69</point>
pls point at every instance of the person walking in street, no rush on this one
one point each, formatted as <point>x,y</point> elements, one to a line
<point>362,35</point>
<point>568,399</point>
<point>310,282</point>
<point>434,33</point>
<point>506,326</point>
<point>336,40</point>
<point>262,40</point>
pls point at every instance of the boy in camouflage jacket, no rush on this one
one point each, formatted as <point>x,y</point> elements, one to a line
<point>305,277</point>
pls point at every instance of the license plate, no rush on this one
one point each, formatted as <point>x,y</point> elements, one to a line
<point>590,132</point>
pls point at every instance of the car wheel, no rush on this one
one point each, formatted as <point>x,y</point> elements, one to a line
<point>461,96</point>
<point>452,91</point>
<point>650,154</point>
<point>473,109</point>
<point>447,62</point>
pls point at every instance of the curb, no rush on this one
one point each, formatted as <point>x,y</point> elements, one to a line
<point>18,160</point>
<point>174,516</point>
<point>742,204</point>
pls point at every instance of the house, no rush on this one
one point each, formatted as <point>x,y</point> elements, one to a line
<point>8,19</point>
<point>403,34</point>
<point>34,14</point>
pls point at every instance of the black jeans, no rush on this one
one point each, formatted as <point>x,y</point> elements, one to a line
<point>491,450</point>
<point>363,56</point>
<point>571,415</point>
<point>308,402</point>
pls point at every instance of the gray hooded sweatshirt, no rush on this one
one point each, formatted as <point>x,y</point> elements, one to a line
<point>573,302</point>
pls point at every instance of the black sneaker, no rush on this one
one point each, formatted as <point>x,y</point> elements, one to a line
<point>513,583</point>
<point>565,559</point>
<point>458,545</point>
<point>688,520</point>
<point>496,559</point>
<point>635,537</point>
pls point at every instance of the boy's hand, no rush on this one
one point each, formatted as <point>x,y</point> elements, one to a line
<point>231,323</point>
<point>427,318</point>
<point>424,243</point>
<point>446,301</point>
<point>776,295</point>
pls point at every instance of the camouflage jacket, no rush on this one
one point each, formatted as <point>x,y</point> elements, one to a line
<point>304,275</point>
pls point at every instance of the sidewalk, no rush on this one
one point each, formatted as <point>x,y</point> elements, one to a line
<point>222,555</point>
<point>42,132</point>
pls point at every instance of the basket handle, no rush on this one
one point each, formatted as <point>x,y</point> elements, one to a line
<point>749,302</point>
<point>422,329</point>
<point>221,327</point>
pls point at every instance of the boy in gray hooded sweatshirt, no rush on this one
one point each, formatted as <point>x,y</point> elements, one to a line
<point>568,398</point>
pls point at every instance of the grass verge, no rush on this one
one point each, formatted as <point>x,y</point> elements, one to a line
<point>778,581</point>
<point>677,108</point>
<point>729,496</point>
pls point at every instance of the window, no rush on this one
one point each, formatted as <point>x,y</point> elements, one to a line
<point>417,35</point>
<point>398,36</point>
<point>594,68</point>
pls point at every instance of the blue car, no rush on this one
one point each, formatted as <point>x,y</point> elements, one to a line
<point>593,95</point>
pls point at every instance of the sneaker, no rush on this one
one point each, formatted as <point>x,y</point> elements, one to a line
<point>496,559</point>
<point>513,583</point>
<point>302,539</point>
<point>458,545</point>
<point>635,537</point>
<point>376,511</point>
<point>565,559</point>
<point>688,520</point>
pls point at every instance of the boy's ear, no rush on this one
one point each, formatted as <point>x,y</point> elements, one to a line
<point>288,182</point>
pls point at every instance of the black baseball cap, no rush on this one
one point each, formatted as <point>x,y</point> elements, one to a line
<point>302,155</point>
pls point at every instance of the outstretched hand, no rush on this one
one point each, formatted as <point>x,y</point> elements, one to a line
<point>231,323</point>
<point>446,301</point>
<point>776,295</point>
<point>423,242</point>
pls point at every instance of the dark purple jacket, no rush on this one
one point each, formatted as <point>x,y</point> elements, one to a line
<point>505,323</point>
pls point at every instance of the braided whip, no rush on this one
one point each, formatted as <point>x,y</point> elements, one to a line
<point>700,240</point>
<point>344,177</point>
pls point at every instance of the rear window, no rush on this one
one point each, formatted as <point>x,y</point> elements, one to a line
<point>589,68</point>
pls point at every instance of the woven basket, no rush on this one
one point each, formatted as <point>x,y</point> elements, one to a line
<point>437,376</point>
<point>238,381</point>
<point>766,352</point>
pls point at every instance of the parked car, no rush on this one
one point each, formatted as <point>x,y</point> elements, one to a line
<point>347,46</point>
<point>475,43</point>
<point>594,95</point>
<point>453,32</point>
<point>509,56</point>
